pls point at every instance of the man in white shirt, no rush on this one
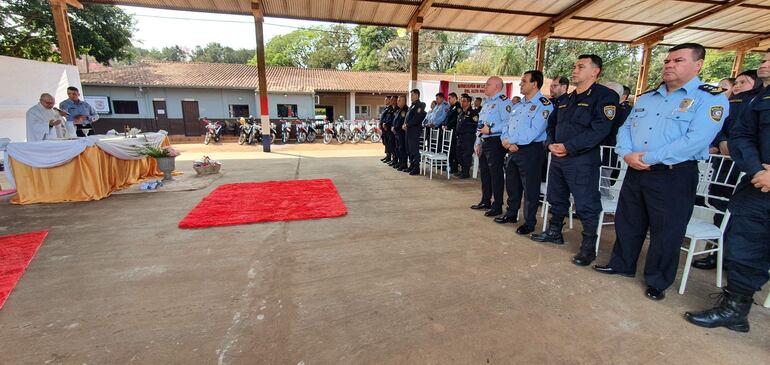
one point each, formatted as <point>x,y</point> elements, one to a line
<point>42,119</point>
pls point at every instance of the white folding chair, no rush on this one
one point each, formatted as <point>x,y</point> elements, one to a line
<point>431,147</point>
<point>718,171</point>
<point>609,186</point>
<point>440,158</point>
<point>544,201</point>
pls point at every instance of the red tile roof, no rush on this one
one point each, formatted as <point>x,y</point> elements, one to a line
<point>279,79</point>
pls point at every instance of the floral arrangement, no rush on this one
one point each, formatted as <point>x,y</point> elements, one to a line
<point>151,151</point>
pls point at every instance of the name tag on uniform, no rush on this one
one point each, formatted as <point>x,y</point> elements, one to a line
<point>582,104</point>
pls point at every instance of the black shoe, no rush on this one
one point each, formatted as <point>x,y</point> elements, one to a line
<point>525,229</point>
<point>606,269</point>
<point>507,219</point>
<point>655,294</point>
<point>463,176</point>
<point>731,312</point>
<point>708,263</point>
<point>493,212</point>
<point>481,206</point>
<point>385,159</point>
<point>414,172</point>
<point>583,259</point>
<point>551,235</point>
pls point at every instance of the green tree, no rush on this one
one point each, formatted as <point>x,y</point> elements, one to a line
<point>370,46</point>
<point>395,55</point>
<point>216,53</point>
<point>291,50</point>
<point>27,31</point>
<point>333,48</point>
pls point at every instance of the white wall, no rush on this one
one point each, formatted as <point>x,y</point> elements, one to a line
<point>23,82</point>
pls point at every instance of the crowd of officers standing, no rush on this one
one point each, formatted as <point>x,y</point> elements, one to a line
<point>661,138</point>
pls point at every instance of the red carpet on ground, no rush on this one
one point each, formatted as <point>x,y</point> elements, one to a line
<point>268,201</point>
<point>16,253</point>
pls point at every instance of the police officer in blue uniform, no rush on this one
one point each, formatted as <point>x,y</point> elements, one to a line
<point>415,115</point>
<point>451,124</point>
<point>493,119</point>
<point>467,120</point>
<point>399,134</point>
<point>747,247</point>
<point>385,128</point>
<point>575,129</point>
<point>523,139</point>
<point>745,89</point>
<point>668,131</point>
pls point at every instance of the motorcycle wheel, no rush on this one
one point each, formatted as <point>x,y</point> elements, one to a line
<point>242,138</point>
<point>272,138</point>
<point>311,137</point>
<point>375,137</point>
<point>207,139</point>
<point>356,138</point>
<point>327,138</point>
<point>342,138</point>
<point>301,138</point>
<point>251,138</point>
<point>285,138</point>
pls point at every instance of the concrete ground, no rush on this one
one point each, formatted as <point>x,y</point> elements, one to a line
<point>409,276</point>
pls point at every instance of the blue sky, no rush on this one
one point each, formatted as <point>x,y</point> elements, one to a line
<point>163,28</point>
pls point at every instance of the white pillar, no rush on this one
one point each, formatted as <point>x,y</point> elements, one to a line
<point>352,106</point>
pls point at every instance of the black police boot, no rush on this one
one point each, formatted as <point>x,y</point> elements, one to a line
<point>552,234</point>
<point>587,253</point>
<point>387,158</point>
<point>731,312</point>
<point>708,263</point>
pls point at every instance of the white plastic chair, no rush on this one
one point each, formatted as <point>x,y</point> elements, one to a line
<point>718,171</point>
<point>544,201</point>
<point>440,158</point>
<point>609,187</point>
<point>431,147</point>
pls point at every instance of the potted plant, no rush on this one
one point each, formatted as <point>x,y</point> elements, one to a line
<point>165,156</point>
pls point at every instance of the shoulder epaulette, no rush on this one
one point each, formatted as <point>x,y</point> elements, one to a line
<point>713,90</point>
<point>545,100</point>
<point>503,97</point>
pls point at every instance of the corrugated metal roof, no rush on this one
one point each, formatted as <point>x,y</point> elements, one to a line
<point>607,20</point>
<point>279,79</point>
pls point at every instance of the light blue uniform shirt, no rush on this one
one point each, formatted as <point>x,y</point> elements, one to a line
<point>80,108</point>
<point>495,112</point>
<point>529,120</point>
<point>673,127</point>
<point>437,115</point>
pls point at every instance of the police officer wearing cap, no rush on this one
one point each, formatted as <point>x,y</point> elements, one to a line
<point>523,139</point>
<point>467,121</point>
<point>575,130</point>
<point>668,131</point>
<point>493,119</point>
<point>747,248</point>
<point>399,134</point>
<point>415,115</point>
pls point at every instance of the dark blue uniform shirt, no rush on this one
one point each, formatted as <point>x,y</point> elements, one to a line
<point>582,121</point>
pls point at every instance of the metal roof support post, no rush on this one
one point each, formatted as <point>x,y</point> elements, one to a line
<point>540,53</point>
<point>264,107</point>
<point>415,55</point>
<point>738,62</point>
<point>644,67</point>
<point>63,31</point>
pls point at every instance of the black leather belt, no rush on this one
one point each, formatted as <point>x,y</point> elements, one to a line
<point>663,167</point>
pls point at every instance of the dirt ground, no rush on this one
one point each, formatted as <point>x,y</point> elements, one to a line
<point>409,276</point>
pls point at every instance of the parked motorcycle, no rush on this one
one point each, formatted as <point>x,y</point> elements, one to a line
<point>341,132</point>
<point>273,132</point>
<point>373,132</point>
<point>213,131</point>
<point>301,132</point>
<point>285,131</point>
<point>311,133</point>
<point>248,132</point>
<point>357,132</point>
<point>329,133</point>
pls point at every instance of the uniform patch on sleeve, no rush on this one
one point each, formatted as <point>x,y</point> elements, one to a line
<point>546,113</point>
<point>508,108</point>
<point>475,118</point>
<point>716,113</point>
<point>545,100</point>
<point>609,112</point>
<point>403,114</point>
<point>503,97</point>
